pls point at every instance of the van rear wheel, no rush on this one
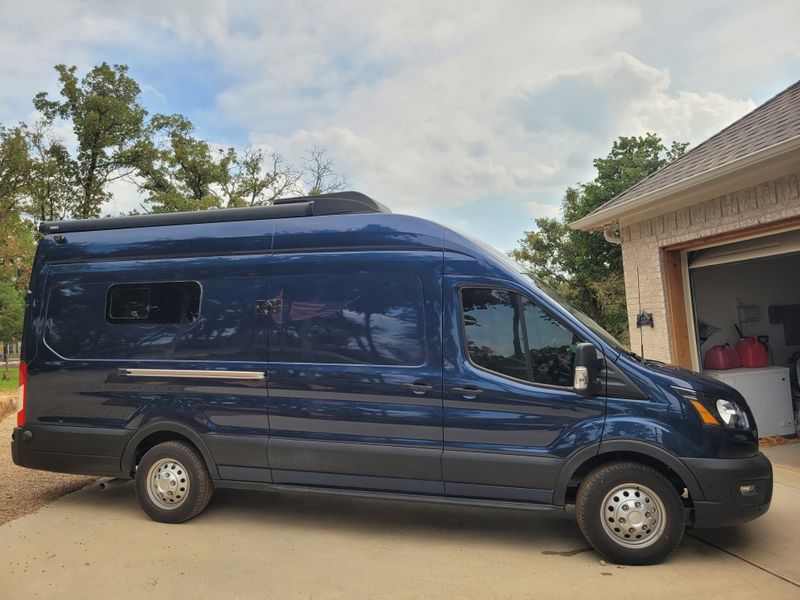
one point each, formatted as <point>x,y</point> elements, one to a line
<point>630,513</point>
<point>172,483</point>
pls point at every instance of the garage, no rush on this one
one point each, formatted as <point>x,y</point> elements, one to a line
<point>711,255</point>
<point>746,308</point>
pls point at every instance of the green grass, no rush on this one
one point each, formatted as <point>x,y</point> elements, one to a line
<point>8,386</point>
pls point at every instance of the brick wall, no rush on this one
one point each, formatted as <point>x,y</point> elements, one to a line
<point>643,243</point>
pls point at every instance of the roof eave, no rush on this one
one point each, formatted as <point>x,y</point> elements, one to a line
<point>668,196</point>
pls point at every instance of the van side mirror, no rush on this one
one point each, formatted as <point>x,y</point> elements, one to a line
<point>587,367</point>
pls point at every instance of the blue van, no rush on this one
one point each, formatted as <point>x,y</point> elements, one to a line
<point>326,345</point>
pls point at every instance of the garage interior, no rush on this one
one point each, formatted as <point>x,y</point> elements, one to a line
<point>747,293</point>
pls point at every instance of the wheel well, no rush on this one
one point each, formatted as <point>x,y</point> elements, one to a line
<point>609,457</point>
<point>159,437</point>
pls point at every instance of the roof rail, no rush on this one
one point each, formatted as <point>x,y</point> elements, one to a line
<point>340,203</point>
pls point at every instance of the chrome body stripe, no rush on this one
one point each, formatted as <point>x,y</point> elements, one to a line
<point>193,373</point>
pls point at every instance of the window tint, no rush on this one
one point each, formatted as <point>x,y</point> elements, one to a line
<point>351,319</point>
<point>494,331</point>
<point>511,335</point>
<point>551,347</point>
<point>162,302</point>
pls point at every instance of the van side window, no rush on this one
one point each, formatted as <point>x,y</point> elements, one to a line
<point>161,302</point>
<point>375,318</point>
<point>508,334</point>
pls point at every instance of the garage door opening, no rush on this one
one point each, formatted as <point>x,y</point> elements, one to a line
<point>746,296</point>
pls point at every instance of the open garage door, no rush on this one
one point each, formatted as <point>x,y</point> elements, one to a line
<point>745,296</point>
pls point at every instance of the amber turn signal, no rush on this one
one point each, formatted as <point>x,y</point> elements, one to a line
<point>705,414</point>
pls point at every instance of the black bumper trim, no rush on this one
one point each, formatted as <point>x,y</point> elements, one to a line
<point>723,504</point>
<point>64,449</point>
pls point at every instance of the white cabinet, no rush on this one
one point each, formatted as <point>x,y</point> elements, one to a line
<point>767,393</point>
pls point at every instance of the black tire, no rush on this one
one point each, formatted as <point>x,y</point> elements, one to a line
<point>647,488</point>
<point>188,487</point>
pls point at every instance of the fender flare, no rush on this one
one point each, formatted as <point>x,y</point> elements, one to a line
<point>631,446</point>
<point>190,434</point>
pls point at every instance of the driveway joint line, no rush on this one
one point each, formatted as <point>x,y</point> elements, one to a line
<point>748,561</point>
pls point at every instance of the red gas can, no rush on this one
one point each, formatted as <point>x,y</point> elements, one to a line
<point>721,357</point>
<point>752,353</point>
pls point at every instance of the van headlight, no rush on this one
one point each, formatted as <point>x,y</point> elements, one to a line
<point>715,411</point>
<point>731,414</point>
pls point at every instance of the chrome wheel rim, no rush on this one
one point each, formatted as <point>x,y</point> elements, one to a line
<point>633,515</point>
<point>167,484</point>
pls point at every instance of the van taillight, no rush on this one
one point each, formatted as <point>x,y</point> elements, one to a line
<point>21,393</point>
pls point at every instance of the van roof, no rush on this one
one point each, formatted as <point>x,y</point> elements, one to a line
<point>305,206</point>
<point>351,222</point>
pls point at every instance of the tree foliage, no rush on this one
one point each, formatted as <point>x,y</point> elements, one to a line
<point>582,265</point>
<point>109,123</point>
<point>179,172</point>
<point>43,177</point>
<point>255,177</point>
<point>14,170</point>
<point>16,257</point>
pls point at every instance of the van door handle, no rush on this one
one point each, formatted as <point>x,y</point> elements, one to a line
<point>418,388</point>
<point>470,393</point>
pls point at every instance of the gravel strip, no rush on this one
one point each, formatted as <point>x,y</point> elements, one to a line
<point>24,491</point>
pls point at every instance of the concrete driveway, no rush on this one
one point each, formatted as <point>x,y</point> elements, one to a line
<point>275,545</point>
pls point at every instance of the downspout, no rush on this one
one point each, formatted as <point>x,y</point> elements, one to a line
<point>611,233</point>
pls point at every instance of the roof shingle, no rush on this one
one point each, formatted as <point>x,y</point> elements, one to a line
<point>775,121</point>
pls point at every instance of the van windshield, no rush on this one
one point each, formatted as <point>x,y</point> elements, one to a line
<point>593,325</point>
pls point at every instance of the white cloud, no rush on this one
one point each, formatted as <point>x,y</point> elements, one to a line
<point>541,209</point>
<point>422,103</point>
<point>428,104</point>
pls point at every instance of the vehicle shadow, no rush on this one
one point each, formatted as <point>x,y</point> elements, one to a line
<point>397,517</point>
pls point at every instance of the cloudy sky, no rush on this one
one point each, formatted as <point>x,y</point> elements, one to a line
<point>476,114</point>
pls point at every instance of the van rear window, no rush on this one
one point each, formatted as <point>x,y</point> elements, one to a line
<point>374,319</point>
<point>158,302</point>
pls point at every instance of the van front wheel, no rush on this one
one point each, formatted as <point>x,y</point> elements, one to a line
<point>172,483</point>
<point>630,513</point>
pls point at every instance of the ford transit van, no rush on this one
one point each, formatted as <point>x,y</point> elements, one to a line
<point>327,345</point>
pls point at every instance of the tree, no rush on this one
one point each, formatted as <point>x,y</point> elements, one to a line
<point>16,257</point>
<point>109,123</point>
<point>12,310</point>
<point>15,167</point>
<point>581,265</point>
<point>255,177</point>
<point>51,190</point>
<point>319,174</point>
<point>177,171</point>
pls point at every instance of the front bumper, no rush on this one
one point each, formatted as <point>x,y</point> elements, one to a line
<point>723,480</point>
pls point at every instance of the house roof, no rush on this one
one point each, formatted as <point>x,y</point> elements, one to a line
<point>773,125</point>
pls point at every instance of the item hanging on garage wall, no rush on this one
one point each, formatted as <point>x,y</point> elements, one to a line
<point>789,315</point>
<point>747,314</point>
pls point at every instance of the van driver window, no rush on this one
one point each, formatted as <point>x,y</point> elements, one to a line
<point>160,302</point>
<point>508,334</point>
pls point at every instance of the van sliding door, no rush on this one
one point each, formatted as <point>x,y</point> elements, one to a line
<point>355,370</point>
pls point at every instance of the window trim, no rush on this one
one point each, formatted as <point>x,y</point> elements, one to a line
<point>124,321</point>
<point>463,330</point>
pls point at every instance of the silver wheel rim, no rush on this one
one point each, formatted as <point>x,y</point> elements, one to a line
<point>167,484</point>
<point>633,515</point>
